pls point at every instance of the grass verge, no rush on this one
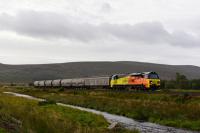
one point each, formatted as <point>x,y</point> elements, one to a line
<point>177,110</point>
<point>19,115</point>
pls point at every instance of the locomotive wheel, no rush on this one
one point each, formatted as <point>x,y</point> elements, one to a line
<point>144,88</point>
<point>153,88</point>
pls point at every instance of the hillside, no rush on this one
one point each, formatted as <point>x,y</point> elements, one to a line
<point>29,73</point>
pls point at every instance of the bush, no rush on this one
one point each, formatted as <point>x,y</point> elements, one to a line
<point>183,98</point>
<point>46,102</point>
<point>61,89</point>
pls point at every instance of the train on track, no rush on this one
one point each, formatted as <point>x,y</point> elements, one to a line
<point>140,80</point>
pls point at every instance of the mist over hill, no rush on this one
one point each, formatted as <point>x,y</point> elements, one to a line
<point>29,73</point>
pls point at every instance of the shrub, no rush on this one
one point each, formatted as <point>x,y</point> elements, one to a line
<point>46,102</point>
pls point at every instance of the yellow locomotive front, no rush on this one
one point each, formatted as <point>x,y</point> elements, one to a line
<point>144,80</point>
<point>152,80</point>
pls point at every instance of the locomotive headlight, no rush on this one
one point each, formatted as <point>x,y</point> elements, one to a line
<point>150,82</point>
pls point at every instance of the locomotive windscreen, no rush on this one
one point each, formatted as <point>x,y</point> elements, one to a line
<point>153,76</point>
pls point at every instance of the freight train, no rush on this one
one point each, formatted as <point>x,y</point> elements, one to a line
<point>140,80</point>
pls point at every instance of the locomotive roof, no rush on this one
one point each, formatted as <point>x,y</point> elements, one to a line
<point>142,73</point>
<point>135,74</point>
<point>151,72</point>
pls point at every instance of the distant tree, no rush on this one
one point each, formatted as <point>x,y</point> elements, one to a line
<point>178,78</point>
<point>30,84</point>
<point>12,84</point>
<point>163,84</point>
<point>181,81</point>
<point>170,84</point>
<point>195,84</point>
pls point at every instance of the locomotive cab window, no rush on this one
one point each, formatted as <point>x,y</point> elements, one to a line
<point>115,77</point>
<point>153,76</point>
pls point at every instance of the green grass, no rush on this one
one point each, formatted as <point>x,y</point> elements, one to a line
<point>184,90</point>
<point>2,130</point>
<point>20,115</point>
<point>48,118</point>
<point>177,110</point>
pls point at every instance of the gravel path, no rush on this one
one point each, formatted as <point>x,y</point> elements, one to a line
<point>144,127</point>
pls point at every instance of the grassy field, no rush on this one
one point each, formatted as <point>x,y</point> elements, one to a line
<point>19,115</point>
<point>177,110</point>
<point>180,90</point>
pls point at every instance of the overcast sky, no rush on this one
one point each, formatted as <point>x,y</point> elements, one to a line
<point>54,31</point>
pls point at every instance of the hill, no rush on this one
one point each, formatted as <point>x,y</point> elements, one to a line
<point>29,73</point>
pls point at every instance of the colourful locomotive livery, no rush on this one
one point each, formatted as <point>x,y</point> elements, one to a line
<point>141,80</point>
<point>144,80</point>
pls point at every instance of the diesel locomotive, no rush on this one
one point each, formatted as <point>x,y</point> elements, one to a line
<point>140,80</point>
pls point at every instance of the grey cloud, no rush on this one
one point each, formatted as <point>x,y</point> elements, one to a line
<point>46,24</point>
<point>106,7</point>
<point>52,25</point>
<point>150,32</point>
<point>183,39</point>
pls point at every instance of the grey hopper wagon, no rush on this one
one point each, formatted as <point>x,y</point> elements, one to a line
<point>77,82</point>
<point>56,83</point>
<point>48,83</point>
<point>66,82</point>
<point>36,83</point>
<point>97,81</point>
<point>41,83</point>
